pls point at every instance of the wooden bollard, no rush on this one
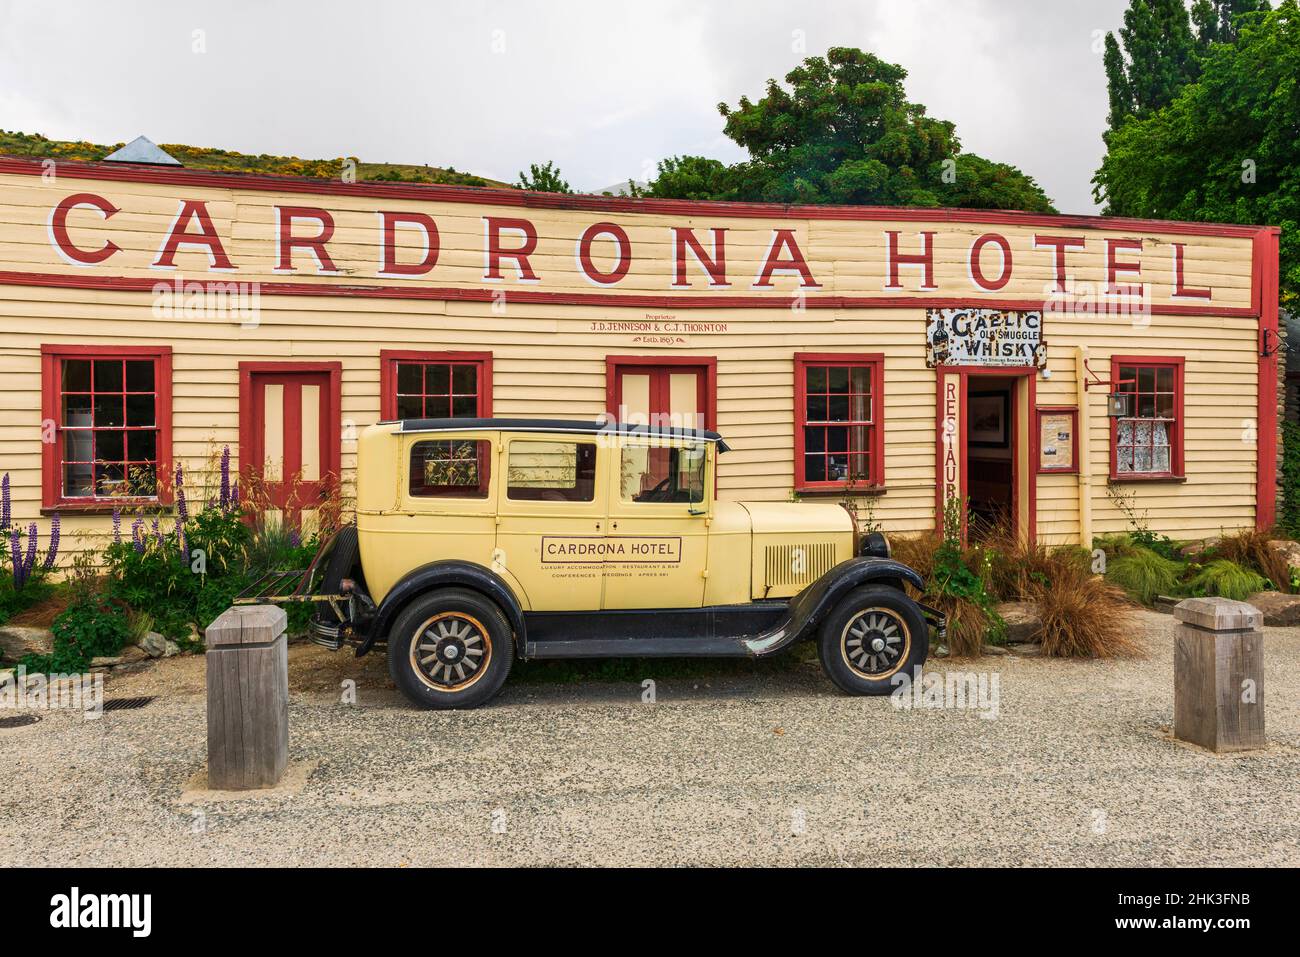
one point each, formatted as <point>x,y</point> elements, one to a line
<point>248,698</point>
<point>1219,674</point>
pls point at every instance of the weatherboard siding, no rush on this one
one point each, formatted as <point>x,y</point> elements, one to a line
<point>549,357</point>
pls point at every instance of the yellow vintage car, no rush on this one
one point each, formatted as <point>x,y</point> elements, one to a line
<point>481,540</point>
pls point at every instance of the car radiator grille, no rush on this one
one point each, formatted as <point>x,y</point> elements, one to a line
<point>797,564</point>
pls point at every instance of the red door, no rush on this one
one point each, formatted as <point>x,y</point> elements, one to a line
<point>663,392</point>
<point>289,435</point>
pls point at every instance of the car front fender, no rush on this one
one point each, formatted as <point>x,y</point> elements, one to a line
<point>443,574</point>
<point>813,603</point>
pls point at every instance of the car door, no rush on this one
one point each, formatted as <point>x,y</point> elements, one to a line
<point>551,520</point>
<point>660,493</point>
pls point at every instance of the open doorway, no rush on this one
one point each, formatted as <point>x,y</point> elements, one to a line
<point>991,454</point>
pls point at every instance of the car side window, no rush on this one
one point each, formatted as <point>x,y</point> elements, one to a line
<point>551,471</point>
<point>649,474</point>
<point>451,468</point>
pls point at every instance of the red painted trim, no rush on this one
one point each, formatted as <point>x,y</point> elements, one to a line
<point>1264,282</point>
<point>629,300</point>
<point>876,362</point>
<point>331,421</point>
<point>1073,411</point>
<point>51,465</point>
<point>709,365</point>
<point>1176,445</point>
<point>388,359</point>
<point>492,196</point>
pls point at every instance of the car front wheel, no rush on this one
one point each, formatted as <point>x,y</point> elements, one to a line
<point>450,649</point>
<point>874,634</point>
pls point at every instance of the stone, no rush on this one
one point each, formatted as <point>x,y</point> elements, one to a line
<point>1278,608</point>
<point>941,651</point>
<point>995,650</point>
<point>1193,551</point>
<point>153,644</point>
<point>105,662</point>
<point>19,640</point>
<point>1289,550</point>
<point>132,654</point>
<point>1023,623</point>
<point>172,649</point>
<point>1026,649</point>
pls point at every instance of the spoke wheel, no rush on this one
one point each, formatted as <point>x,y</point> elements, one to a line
<point>875,642</point>
<point>451,651</point>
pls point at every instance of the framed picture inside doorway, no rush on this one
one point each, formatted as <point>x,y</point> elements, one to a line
<point>989,420</point>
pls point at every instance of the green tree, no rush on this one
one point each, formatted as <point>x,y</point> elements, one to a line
<point>1227,147</point>
<point>543,179</point>
<point>1157,51</point>
<point>843,131</point>
<point>1216,20</point>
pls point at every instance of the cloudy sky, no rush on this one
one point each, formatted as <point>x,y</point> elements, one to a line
<point>603,88</point>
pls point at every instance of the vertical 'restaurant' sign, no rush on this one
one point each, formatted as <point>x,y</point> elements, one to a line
<point>950,445</point>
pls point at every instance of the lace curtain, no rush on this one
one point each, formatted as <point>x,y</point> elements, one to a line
<point>1143,446</point>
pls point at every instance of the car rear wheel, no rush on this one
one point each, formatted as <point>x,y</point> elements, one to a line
<point>450,649</point>
<point>874,634</point>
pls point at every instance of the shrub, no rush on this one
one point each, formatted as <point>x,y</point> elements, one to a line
<point>1083,615</point>
<point>1250,548</point>
<point>1227,578</point>
<point>1144,574</point>
<point>91,627</point>
<point>956,583</point>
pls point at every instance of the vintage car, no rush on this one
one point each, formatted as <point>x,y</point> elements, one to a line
<point>481,540</point>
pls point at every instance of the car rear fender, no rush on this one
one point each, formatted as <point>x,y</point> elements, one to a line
<point>816,601</point>
<point>443,574</point>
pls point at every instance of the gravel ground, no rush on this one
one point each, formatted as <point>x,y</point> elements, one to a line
<point>751,765</point>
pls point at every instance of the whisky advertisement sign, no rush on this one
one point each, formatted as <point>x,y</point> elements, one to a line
<point>984,337</point>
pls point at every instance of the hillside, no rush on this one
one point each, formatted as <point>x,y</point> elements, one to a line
<point>196,157</point>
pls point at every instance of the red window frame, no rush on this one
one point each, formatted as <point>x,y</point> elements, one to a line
<point>1176,466</point>
<point>52,356</point>
<point>875,361</point>
<point>390,359</point>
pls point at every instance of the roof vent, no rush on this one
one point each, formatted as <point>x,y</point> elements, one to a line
<point>142,150</point>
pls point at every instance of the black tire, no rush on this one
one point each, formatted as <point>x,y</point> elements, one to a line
<point>339,564</point>
<point>874,634</point>
<point>448,669</point>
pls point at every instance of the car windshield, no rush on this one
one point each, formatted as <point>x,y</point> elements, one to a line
<point>673,474</point>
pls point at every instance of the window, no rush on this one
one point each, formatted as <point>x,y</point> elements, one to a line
<point>435,385</point>
<point>650,474</point>
<point>1147,440</point>
<point>551,471</point>
<point>451,468</point>
<point>838,433</point>
<point>110,410</point>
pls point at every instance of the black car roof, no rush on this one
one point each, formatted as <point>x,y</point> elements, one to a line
<point>580,426</point>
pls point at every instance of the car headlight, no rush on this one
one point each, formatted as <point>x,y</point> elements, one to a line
<point>876,545</point>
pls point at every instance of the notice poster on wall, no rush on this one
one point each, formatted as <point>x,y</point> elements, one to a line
<point>1057,440</point>
<point>984,337</point>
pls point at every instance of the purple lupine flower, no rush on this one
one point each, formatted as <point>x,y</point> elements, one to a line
<point>117,526</point>
<point>16,556</point>
<point>157,533</point>
<point>137,535</point>
<point>234,496</point>
<point>29,561</point>
<point>294,538</point>
<point>53,551</point>
<point>182,511</point>
<point>4,502</point>
<point>181,540</point>
<point>225,479</point>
